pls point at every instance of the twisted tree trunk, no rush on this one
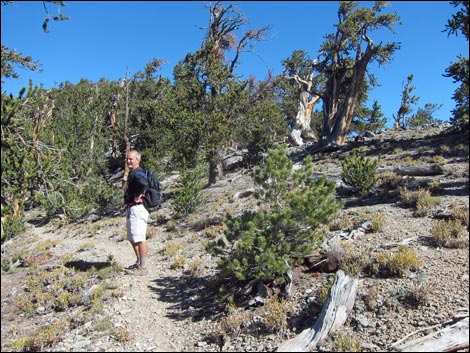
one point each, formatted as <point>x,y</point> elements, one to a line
<point>302,129</point>
<point>338,110</point>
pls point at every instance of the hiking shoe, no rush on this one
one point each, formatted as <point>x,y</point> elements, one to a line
<point>133,267</point>
<point>138,271</point>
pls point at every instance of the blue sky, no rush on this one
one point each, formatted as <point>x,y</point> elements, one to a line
<point>103,39</point>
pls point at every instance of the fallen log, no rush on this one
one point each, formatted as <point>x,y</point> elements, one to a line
<point>434,169</point>
<point>449,339</point>
<point>333,315</point>
<point>401,243</point>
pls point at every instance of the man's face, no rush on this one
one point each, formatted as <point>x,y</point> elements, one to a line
<point>132,161</point>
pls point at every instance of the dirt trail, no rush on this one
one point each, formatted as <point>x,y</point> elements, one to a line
<point>144,307</point>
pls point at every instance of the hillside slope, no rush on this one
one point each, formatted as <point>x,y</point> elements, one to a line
<point>63,288</point>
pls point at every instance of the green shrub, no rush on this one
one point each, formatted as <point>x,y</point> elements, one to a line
<point>189,196</point>
<point>265,243</point>
<point>76,201</point>
<point>359,172</point>
<point>11,226</point>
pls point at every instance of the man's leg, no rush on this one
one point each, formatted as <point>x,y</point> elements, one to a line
<point>135,246</point>
<point>137,229</point>
<point>143,253</point>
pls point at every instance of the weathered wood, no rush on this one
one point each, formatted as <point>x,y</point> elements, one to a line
<point>302,129</point>
<point>400,243</point>
<point>333,315</point>
<point>449,339</point>
<point>434,169</point>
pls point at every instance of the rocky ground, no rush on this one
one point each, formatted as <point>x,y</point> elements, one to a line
<point>174,307</point>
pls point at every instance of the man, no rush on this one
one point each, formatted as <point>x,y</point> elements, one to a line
<point>137,215</point>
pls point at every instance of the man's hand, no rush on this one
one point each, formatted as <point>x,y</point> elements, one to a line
<point>139,199</point>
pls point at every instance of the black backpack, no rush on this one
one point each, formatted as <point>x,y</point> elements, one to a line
<point>153,195</point>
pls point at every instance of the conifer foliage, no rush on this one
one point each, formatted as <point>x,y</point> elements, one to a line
<point>359,172</point>
<point>292,207</point>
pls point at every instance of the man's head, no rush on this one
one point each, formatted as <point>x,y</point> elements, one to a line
<point>133,159</point>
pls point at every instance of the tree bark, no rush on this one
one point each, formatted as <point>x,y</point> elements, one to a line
<point>216,170</point>
<point>333,315</point>
<point>338,113</point>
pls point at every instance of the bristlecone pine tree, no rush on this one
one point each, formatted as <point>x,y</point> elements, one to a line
<point>286,226</point>
<point>359,172</point>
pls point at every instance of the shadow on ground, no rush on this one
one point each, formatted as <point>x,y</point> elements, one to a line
<point>81,265</point>
<point>192,297</point>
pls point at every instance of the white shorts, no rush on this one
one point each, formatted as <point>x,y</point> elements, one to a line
<point>137,218</point>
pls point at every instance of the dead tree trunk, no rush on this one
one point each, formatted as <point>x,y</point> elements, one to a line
<point>333,315</point>
<point>92,144</point>
<point>126,137</point>
<point>114,125</point>
<point>434,169</point>
<point>449,339</point>
<point>302,129</point>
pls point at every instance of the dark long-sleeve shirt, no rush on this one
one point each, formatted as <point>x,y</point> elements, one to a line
<point>137,185</point>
